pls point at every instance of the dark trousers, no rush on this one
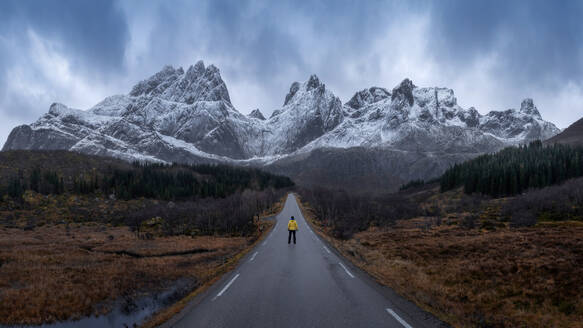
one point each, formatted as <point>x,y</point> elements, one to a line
<point>291,232</point>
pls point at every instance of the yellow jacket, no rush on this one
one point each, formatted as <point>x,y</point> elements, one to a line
<point>292,225</point>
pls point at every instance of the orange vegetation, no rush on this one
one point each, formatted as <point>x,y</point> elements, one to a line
<point>57,272</point>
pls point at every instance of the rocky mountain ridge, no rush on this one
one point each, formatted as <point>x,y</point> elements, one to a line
<point>187,116</point>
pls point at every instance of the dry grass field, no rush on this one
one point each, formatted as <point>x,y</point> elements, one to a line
<point>55,272</point>
<point>476,277</point>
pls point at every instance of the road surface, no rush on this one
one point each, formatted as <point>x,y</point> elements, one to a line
<point>302,285</point>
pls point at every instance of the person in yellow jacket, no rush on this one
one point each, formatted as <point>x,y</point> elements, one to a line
<point>292,227</point>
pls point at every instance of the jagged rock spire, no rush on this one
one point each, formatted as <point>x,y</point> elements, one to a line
<point>256,113</point>
<point>197,84</point>
<point>404,92</point>
<point>527,107</point>
<point>368,96</point>
<point>292,91</point>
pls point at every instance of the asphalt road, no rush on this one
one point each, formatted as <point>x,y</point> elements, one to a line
<point>302,285</point>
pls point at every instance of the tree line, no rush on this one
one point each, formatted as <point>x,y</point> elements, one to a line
<point>41,181</point>
<point>158,181</point>
<point>232,215</point>
<point>515,170</point>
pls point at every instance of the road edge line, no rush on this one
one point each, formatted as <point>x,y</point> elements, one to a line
<point>253,256</point>
<point>345,269</point>
<point>227,286</point>
<point>398,318</point>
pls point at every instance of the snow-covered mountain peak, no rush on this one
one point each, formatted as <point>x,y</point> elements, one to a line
<point>527,107</point>
<point>309,111</point>
<point>367,97</point>
<point>167,75</point>
<point>256,113</point>
<point>518,126</point>
<point>292,91</point>
<point>196,84</point>
<point>57,109</point>
<point>198,68</point>
<point>313,82</point>
<point>312,87</point>
<point>404,92</point>
<point>310,96</point>
<point>436,104</point>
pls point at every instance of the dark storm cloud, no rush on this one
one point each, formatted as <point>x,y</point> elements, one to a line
<point>230,29</point>
<point>93,33</point>
<point>51,50</point>
<point>539,41</point>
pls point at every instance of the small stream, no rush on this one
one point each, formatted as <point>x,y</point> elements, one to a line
<point>126,313</point>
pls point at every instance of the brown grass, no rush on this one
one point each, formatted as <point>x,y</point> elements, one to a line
<point>53,273</point>
<point>39,210</point>
<point>529,277</point>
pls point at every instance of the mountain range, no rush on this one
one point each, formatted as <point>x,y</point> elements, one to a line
<point>379,138</point>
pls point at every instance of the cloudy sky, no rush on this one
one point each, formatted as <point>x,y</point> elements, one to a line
<point>492,53</point>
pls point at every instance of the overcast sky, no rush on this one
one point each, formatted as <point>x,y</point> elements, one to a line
<point>492,54</point>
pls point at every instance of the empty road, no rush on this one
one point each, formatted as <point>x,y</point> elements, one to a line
<point>302,285</point>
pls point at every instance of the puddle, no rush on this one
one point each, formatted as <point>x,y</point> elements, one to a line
<point>126,313</point>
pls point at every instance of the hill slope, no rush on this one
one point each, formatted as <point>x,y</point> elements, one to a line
<point>573,135</point>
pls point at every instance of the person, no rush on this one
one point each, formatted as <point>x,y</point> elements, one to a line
<point>292,227</point>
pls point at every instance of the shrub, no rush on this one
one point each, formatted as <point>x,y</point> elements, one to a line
<point>556,203</point>
<point>469,221</point>
<point>347,213</point>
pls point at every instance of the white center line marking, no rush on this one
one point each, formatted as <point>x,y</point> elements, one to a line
<point>396,316</point>
<point>253,257</point>
<point>226,287</point>
<point>326,248</point>
<point>345,269</point>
